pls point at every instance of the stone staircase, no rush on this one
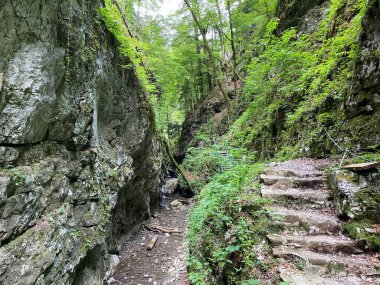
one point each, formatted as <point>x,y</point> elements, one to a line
<point>311,247</point>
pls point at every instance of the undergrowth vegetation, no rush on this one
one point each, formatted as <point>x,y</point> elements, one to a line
<point>228,226</point>
<point>296,87</point>
<point>227,230</point>
<point>203,163</point>
<point>364,231</point>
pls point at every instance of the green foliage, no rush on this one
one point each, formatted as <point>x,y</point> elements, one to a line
<point>128,45</point>
<point>211,159</point>
<point>293,82</point>
<point>227,229</point>
<point>361,230</point>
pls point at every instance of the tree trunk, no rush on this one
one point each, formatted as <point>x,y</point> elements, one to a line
<point>220,31</point>
<point>233,48</point>
<point>199,61</point>
<point>209,51</point>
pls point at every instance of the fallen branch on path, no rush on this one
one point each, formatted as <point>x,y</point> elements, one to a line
<point>162,229</point>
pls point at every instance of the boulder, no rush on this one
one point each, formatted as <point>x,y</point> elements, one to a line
<point>170,186</point>
<point>356,195</point>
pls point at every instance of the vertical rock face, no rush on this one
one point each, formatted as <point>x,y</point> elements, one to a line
<point>363,105</point>
<point>356,194</point>
<point>291,12</point>
<point>79,162</point>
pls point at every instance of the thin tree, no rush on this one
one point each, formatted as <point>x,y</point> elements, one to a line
<point>209,51</point>
<point>233,48</point>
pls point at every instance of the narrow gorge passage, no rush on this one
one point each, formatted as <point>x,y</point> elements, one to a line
<point>105,105</point>
<point>165,263</point>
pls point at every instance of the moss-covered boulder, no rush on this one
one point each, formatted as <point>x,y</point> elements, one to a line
<point>356,195</point>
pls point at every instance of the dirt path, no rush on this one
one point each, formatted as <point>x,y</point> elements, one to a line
<point>165,264</point>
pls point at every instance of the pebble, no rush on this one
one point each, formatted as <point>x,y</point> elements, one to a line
<point>167,235</point>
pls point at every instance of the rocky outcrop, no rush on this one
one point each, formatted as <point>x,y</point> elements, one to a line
<point>356,194</point>
<point>210,110</point>
<point>350,118</point>
<point>79,162</point>
<point>363,105</point>
<point>290,13</point>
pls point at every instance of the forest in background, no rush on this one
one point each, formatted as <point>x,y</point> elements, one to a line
<point>182,58</point>
<point>277,84</point>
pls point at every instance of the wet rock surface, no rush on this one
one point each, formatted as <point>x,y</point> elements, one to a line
<point>79,161</point>
<point>310,245</point>
<point>165,264</point>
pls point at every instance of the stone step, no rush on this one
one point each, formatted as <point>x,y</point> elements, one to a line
<point>355,264</point>
<point>292,182</point>
<point>314,221</point>
<point>301,167</point>
<point>316,243</point>
<point>297,277</point>
<point>293,172</point>
<point>310,195</point>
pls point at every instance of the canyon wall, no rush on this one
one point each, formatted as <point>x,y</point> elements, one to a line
<point>79,159</point>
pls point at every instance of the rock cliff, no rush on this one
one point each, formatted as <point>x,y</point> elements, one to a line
<point>79,159</point>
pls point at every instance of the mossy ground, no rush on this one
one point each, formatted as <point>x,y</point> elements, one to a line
<point>364,230</point>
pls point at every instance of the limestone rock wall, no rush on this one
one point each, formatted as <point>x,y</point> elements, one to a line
<point>79,161</point>
<point>356,195</point>
<point>363,105</point>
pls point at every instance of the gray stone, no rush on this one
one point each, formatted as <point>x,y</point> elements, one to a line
<point>320,243</point>
<point>33,75</point>
<point>356,195</point>
<point>316,222</point>
<point>8,154</point>
<point>1,80</point>
<point>170,186</point>
<point>316,196</point>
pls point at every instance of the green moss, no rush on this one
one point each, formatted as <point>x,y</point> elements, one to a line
<point>361,230</point>
<point>348,176</point>
<point>291,107</point>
